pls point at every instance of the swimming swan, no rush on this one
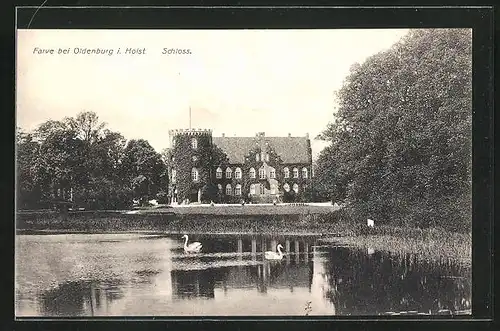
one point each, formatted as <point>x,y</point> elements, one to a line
<point>273,255</point>
<point>193,247</point>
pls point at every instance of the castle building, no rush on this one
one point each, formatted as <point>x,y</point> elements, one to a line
<point>232,169</point>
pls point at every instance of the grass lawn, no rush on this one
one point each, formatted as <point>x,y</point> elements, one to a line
<point>249,209</point>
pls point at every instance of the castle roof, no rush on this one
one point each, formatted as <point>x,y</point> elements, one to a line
<point>290,149</point>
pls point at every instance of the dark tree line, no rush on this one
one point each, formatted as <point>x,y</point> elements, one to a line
<point>400,147</point>
<point>80,160</point>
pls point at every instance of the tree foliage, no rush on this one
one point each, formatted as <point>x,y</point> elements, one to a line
<point>401,140</point>
<point>80,159</point>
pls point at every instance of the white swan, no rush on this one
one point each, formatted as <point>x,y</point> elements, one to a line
<point>273,255</point>
<point>193,247</point>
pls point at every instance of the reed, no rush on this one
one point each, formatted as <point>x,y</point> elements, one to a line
<point>433,243</point>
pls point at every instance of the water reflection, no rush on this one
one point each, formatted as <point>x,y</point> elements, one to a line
<point>152,276</point>
<point>398,283</point>
<point>77,298</point>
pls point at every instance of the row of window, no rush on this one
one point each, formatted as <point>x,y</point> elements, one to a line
<point>194,143</point>
<point>238,173</point>
<point>258,187</point>
<point>262,173</point>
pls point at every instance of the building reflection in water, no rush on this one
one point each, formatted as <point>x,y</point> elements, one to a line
<point>299,271</point>
<point>233,276</point>
<point>344,281</point>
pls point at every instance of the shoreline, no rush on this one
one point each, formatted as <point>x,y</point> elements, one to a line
<point>433,243</point>
<point>281,209</point>
<point>437,246</point>
<point>456,247</point>
<point>166,232</point>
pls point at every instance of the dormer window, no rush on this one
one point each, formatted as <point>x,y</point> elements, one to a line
<point>194,143</point>
<point>286,172</point>
<point>304,172</point>
<point>229,173</point>
<point>295,173</point>
<point>218,173</point>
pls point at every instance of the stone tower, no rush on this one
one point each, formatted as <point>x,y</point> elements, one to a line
<point>191,163</point>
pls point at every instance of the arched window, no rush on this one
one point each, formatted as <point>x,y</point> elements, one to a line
<point>286,172</point>
<point>194,174</point>
<point>252,173</point>
<point>262,173</point>
<point>304,172</point>
<point>286,187</point>
<point>229,173</point>
<point>267,157</point>
<point>194,143</point>
<point>272,173</point>
<point>228,189</point>
<point>237,173</point>
<point>174,175</point>
<point>252,189</point>
<point>219,186</point>
<point>218,173</point>
<point>296,188</point>
<point>257,157</point>
<point>262,189</point>
<point>295,173</point>
<point>237,190</point>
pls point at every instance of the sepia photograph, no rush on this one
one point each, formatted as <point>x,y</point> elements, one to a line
<point>244,172</point>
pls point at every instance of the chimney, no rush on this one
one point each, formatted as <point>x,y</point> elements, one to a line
<point>261,134</point>
<point>307,135</point>
<point>289,135</point>
<point>223,134</point>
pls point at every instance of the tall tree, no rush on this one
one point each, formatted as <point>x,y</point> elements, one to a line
<point>401,141</point>
<point>60,159</point>
<point>144,169</point>
<point>28,192</point>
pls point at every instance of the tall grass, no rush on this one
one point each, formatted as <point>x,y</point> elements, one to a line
<point>433,243</point>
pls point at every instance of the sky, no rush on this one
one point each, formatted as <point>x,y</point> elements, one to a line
<point>236,82</point>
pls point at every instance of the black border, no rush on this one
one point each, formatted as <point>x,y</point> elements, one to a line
<point>480,19</point>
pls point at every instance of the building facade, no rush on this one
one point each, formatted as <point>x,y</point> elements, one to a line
<point>232,169</point>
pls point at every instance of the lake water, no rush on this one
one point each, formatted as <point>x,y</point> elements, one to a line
<point>150,275</point>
